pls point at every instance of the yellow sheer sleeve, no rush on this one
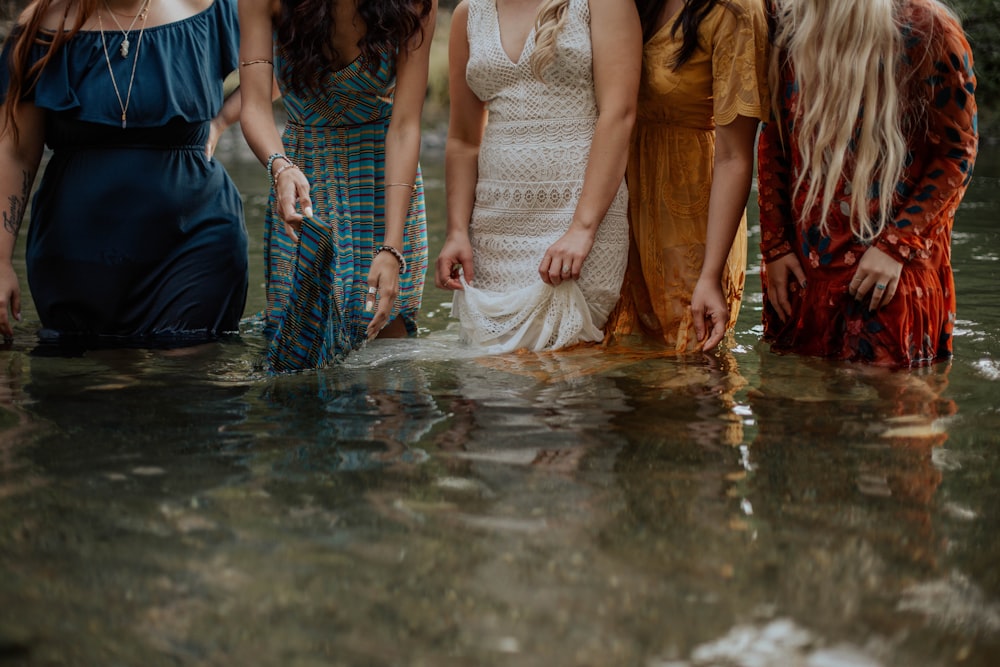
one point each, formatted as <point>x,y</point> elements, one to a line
<point>740,50</point>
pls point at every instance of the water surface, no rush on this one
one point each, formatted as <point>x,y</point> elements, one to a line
<point>417,506</point>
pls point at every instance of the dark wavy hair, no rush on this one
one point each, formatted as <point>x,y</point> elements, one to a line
<point>304,28</point>
<point>688,20</point>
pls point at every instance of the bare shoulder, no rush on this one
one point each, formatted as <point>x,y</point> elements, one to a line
<point>197,6</point>
<point>59,15</point>
<point>600,9</point>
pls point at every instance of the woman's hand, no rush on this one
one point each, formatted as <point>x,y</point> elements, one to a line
<point>215,130</point>
<point>10,299</point>
<point>455,259</point>
<point>779,274</point>
<point>877,273</point>
<point>383,288</point>
<point>709,312</point>
<point>564,258</point>
<point>291,190</point>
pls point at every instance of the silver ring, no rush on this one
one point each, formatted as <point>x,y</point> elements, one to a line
<point>565,269</point>
<point>372,290</point>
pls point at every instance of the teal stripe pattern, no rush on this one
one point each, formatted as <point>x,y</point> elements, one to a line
<point>316,287</point>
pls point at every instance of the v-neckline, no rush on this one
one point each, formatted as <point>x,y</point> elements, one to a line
<point>666,24</point>
<point>499,34</point>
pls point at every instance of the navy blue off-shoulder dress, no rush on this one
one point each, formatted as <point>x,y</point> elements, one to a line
<point>135,233</point>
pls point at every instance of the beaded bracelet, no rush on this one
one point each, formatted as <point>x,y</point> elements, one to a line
<point>290,165</point>
<point>395,253</point>
<point>270,163</point>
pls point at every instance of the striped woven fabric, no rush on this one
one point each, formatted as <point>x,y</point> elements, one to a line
<point>338,140</point>
<point>312,329</point>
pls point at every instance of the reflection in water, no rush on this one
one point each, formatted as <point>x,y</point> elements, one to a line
<point>418,505</point>
<point>844,456</point>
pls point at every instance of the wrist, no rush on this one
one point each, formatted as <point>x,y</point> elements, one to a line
<point>391,250</point>
<point>584,225</point>
<point>280,170</point>
<point>271,167</point>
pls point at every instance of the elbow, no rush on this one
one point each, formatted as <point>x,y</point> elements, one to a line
<point>622,116</point>
<point>403,131</point>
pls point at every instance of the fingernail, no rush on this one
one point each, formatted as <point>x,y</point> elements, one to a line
<point>308,212</point>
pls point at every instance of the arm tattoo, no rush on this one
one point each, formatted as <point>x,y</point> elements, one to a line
<point>12,219</point>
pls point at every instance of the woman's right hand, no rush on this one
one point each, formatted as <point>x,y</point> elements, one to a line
<point>780,273</point>
<point>291,190</point>
<point>10,299</point>
<point>455,259</point>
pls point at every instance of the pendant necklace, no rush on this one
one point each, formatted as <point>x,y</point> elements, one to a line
<point>123,49</point>
<point>107,59</point>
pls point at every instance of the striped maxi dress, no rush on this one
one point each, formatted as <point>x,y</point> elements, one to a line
<point>316,288</point>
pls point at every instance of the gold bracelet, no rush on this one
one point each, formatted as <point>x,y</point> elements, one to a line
<point>244,63</point>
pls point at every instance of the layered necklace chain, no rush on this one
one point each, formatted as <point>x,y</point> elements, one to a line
<point>144,9</point>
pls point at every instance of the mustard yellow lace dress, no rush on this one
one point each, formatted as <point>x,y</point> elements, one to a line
<point>670,168</point>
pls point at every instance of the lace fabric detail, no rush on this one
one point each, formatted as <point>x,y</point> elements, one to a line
<point>531,165</point>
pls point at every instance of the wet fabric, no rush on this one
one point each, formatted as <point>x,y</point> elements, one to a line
<point>671,165</point>
<point>915,328</point>
<point>338,140</point>
<point>134,233</point>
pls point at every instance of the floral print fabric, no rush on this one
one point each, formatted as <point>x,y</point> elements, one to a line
<point>915,328</point>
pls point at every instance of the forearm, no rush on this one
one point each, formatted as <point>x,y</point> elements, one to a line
<point>461,175</point>
<point>230,111</point>
<point>773,192</point>
<point>402,154</point>
<point>259,129</point>
<point>605,168</point>
<point>18,167</point>
<point>16,184</point>
<point>731,179</point>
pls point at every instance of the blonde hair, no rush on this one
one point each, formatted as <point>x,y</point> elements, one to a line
<point>845,54</point>
<point>548,22</point>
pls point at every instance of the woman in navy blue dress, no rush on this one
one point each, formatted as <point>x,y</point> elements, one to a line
<point>136,233</point>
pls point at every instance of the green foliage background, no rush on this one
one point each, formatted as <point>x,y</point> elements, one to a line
<point>981,20</point>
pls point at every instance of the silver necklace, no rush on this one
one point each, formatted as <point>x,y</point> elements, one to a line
<point>123,49</point>
<point>107,59</point>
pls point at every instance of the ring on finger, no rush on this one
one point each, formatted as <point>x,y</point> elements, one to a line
<point>565,269</point>
<point>880,286</point>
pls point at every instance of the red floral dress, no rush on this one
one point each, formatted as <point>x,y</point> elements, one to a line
<point>915,328</point>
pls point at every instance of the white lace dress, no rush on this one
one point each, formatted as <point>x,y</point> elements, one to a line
<point>531,165</point>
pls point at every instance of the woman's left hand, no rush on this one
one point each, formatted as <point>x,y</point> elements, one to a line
<point>564,258</point>
<point>383,288</point>
<point>214,132</point>
<point>877,273</point>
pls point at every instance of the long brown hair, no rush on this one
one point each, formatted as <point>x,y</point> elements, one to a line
<point>303,29</point>
<point>24,37</point>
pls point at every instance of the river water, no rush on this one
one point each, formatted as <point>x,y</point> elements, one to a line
<point>419,506</point>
